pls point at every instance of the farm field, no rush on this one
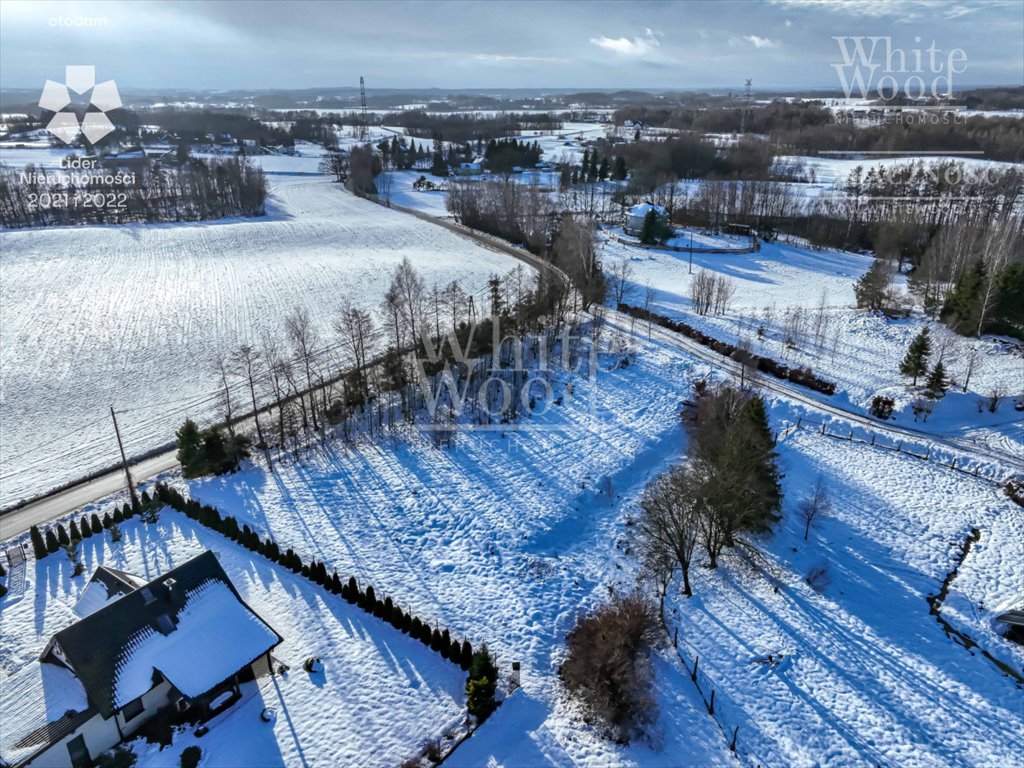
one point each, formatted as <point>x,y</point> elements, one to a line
<point>131,316</point>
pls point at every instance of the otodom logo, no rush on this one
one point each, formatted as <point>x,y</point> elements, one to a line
<point>56,96</point>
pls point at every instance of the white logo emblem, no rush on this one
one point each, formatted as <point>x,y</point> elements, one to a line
<point>95,125</point>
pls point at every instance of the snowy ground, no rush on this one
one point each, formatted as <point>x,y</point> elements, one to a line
<point>858,350</point>
<point>379,696</point>
<point>130,315</point>
<point>869,676</point>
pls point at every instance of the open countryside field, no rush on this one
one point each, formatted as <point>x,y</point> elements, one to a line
<point>131,316</point>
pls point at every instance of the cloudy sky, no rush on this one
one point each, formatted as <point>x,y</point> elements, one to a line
<point>492,44</point>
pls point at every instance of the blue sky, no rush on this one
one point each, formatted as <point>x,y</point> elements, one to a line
<point>492,44</point>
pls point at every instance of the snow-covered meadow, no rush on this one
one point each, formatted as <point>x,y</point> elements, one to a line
<point>778,292</point>
<point>131,315</point>
<point>510,536</point>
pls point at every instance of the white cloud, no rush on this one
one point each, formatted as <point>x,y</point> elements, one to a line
<point>761,42</point>
<point>502,57</point>
<point>638,46</point>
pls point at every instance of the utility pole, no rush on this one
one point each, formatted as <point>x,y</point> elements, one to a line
<point>124,461</point>
<point>691,254</point>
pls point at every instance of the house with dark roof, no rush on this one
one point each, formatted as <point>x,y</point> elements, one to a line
<point>183,642</point>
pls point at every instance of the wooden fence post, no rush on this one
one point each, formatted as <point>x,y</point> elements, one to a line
<point>732,747</point>
<point>711,705</point>
<point>872,438</point>
<point>953,465</point>
<point>823,427</point>
<point>693,676</point>
<point>899,445</point>
<point>675,639</point>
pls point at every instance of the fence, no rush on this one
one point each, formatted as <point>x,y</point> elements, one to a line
<point>708,693</point>
<point>991,473</point>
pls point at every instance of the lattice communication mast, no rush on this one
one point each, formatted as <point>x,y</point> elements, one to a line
<point>362,100</point>
<point>746,108</point>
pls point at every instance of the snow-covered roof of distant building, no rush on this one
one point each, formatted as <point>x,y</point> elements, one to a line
<point>190,625</point>
<point>642,209</point>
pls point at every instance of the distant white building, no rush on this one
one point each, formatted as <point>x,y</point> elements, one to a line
<point>635,216</point>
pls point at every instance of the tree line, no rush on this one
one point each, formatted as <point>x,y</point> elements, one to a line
<point>153,192</point>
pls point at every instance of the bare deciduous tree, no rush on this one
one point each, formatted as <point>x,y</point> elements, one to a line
<point>813,505</point>
<point>248,364</point>
<point>304,339</point>
<point>670,523</point>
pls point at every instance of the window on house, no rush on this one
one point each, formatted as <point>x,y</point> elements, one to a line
<point>132,709</point>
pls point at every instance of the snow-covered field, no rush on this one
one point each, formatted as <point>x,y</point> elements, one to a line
<point>511,536</point>
<point>868,675</point>
<point>372,673</point>
<point>131,315</point>
<point>859,351</point>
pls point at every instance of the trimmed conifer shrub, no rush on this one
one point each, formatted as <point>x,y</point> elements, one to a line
<point>52,542</point>
<point>38,545</point>
<point>97,525</point>
<point>118,516</point>
<point>336,584</point>
<point>467,655</point>
<point>406,623</point>
<point>62,535</point>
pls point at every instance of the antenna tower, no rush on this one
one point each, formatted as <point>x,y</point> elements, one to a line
<point>746,107</point>
<point>362,101</point>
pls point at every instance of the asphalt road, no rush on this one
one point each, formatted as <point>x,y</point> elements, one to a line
<point>49,507</point>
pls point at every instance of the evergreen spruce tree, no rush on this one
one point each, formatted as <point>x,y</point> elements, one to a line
<point>73,532</point>
<point>962,309</point>
<point>481,684</point>
<point>406,623</point>
<point>38,545</point>
<point>761,442</point>
<point>62,535</point>
<point>619,174</point>
<point>872,289</point>
<point>435,640</point>
<point>107,520</point>
<point>937,383</point>
<point>190,450</point>
<point>97,525</point>
<point>467,655</point>
<point>602,172</point>
<point>915,362</point>
<point>52,542</point>
<point>336,584</point>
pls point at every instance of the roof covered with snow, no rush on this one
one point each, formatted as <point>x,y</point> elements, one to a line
<point>190,624</point>
<point>641,210</point>
<point>105,586</point>
<point>39,703</point>
<point>216,635</point>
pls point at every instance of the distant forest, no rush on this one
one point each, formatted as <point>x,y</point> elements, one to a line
<point>809,128</point>
<point>196,190</point>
